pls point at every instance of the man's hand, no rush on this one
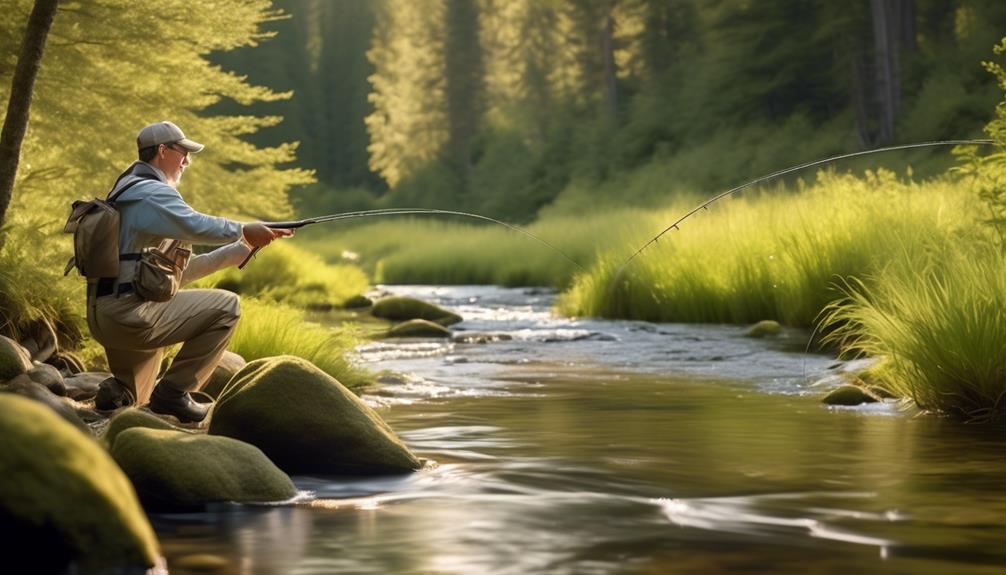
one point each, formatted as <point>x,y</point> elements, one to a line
<point>258,235</point>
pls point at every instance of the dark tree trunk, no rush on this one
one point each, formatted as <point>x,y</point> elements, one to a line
<point>609,69</point>
<point>16,121</point>
<point>893,31</point>
<point>465,78</point>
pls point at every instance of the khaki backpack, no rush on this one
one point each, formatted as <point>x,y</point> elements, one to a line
<point>95,228</point>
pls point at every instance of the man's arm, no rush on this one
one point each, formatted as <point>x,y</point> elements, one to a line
<point>203,265</point>
<point>164,213</point>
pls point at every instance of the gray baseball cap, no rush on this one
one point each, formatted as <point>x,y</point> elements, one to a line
<point>165,133</point>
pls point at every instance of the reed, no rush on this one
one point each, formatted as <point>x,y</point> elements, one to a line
<point>268,329</point>
<point>938,316</point>
<point>776,255</point>
<point>286,273</point>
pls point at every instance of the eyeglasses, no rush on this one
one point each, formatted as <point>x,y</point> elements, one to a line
<point>182,151</point>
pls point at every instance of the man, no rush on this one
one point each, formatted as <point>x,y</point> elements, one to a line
<point>133,331</point>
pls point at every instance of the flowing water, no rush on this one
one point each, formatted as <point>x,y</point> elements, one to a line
<point>591,446</point>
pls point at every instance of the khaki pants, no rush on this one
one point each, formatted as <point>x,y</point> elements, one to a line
<point>134,333</point>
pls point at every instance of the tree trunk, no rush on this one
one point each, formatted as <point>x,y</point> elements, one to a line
<point>893,31</point>
<point>609,69</point>
<point>16,121</point>
<point>465,78</point>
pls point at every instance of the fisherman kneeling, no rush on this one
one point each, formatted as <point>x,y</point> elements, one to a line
<point>136,314</point>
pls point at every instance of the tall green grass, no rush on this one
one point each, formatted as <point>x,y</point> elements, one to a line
<point>939,319</point>
<point>32,286</point>
<point>286,273</point>
<point>776,255</point>
<point>431,250</point>
<point>268,329</point>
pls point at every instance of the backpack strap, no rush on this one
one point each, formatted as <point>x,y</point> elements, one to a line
<point>112,196</point>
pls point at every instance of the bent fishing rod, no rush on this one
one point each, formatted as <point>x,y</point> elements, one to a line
<point>705,205</point>
<point>295,224</point>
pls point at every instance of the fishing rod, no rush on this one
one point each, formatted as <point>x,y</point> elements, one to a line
<point>705,205</point>
<point>295,224</point>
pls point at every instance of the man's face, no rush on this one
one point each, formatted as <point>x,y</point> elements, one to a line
<point>175,160</point>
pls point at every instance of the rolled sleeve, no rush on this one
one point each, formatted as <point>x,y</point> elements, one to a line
<point>204,264</point>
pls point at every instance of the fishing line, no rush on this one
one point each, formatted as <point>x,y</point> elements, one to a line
<point>294,224</point>
<point>705,205</point>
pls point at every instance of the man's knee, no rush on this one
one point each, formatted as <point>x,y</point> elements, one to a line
<point>230,304</point>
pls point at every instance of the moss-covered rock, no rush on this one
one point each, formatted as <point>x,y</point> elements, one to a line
<point>357,301</point>
<point>849,395</point>
<point>49,377</point>
<point>764,328</point>
<point>230,363</point>
<point>397,308</point>
<point>306,421</point>
<point>132,417</point>
<point>62,498</point>
<point>419,328</point>
<point>174,469</point>
<point>24,386</point>
<point>14,359</point>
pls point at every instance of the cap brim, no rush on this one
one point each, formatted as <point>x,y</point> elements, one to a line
<point>193,147</point>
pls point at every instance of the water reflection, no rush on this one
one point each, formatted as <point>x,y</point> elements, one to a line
<point>564,464</point>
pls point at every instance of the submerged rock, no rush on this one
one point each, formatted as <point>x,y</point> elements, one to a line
<point>397,308</point>
<point>131,417</point>
<point>230,363</point>
<point>764,328</point>
<point>481,337</point>
<point>849,395</point>
<point>175,469</point>
<point>419,328</point>
<point>306,421</point>
<point>65,503</point>
<point>14,359</point>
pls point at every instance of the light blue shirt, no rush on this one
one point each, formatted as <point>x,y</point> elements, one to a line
<point>153,210</point>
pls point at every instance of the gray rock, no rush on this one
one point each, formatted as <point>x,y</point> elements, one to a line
<point>14,359</point>
<point>24,386</point>
<point>84,386</point>
<point>48,376</point>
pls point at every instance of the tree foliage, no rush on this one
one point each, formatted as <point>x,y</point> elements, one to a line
<point>112,67</point>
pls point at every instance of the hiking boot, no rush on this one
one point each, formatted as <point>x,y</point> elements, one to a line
<point>167,400</point>
<point>113,394</point>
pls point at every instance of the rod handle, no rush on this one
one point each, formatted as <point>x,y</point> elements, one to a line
<point>248,258</point>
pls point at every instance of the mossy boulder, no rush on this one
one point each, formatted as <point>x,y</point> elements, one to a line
<point>24,386</point>
<point>398,308</point>
<point>49,377</point>
<point>177,470</point>
<point>419,328</point>
<point>63,500</point>
<point>306,421</point>
<point>764,328</point>
<point>132,417</point>
<point>230,363</point>
<point>849,395</point>
<point>357,301</point>
<point>14,359</point>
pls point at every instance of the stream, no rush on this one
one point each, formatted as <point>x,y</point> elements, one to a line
<point>587,446</point>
